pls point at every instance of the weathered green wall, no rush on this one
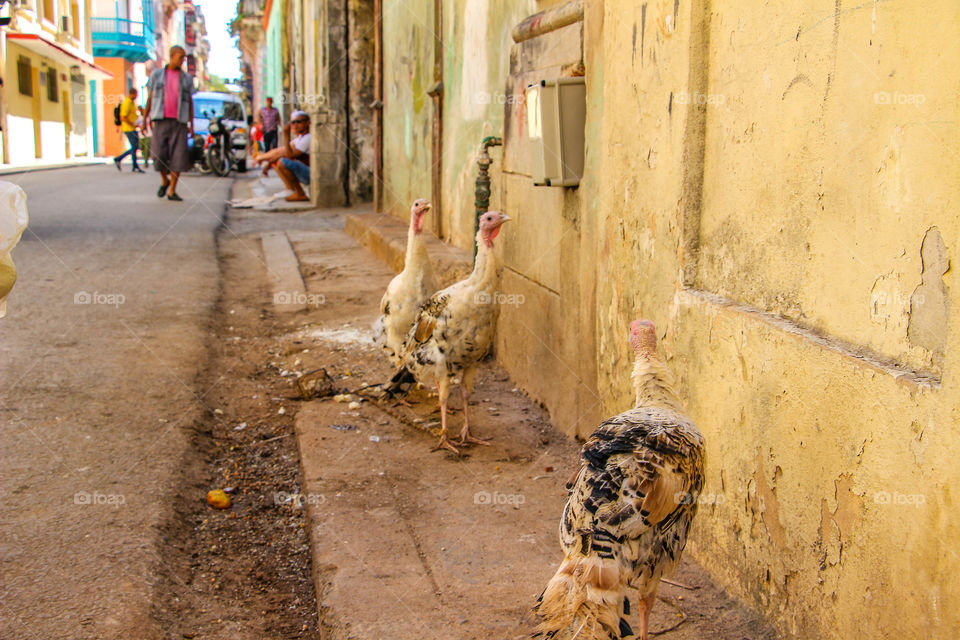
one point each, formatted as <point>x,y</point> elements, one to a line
<point>476,61</point>
<point>408,49</point>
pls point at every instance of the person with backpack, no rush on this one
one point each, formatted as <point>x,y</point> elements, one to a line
<point>125,117</point>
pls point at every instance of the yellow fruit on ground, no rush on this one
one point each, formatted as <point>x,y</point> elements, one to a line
<point>218,499</point>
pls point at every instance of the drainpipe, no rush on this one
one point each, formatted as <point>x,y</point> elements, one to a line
<point>481,197</point>
<point>548,20</point>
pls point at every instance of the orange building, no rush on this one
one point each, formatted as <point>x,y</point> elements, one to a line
<point>123,37</point>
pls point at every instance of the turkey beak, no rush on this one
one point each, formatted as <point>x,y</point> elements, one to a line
<point>504,218</point>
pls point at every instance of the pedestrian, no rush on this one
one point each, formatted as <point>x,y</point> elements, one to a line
<point>170,115</point>
<point>128,125</point>
<point>269,120</point>
<point>144,136</point>
<point>292,161</point>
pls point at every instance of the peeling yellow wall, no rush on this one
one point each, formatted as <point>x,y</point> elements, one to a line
<point>769,215</point>
<point>776,186</point>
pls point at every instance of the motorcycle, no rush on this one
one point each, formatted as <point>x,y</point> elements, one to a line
<point>217,147</point>
<point>226,148</point>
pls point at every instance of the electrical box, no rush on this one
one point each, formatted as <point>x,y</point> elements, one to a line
<point>556,116</point>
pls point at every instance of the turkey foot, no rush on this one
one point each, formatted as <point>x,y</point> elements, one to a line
<point>444,441</point>
<point>445,444</point>
<point>466,438</point>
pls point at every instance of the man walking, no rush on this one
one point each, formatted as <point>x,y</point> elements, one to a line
<point>269,119</point>
<point>128,125</point>
<point>292,161</point>
<point>170,115</point>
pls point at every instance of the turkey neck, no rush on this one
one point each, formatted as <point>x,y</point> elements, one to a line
<point>654,384</point>
<point>486,268</point>
<point>416,257</point>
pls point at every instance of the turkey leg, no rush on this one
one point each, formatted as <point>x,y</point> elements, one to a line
<point>466,387</point>
<point>443,390</point>
<point>645,604</point>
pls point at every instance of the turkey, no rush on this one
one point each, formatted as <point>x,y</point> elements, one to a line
<point>454,330</point>
<point>629,510</point>
<point>408,289</point>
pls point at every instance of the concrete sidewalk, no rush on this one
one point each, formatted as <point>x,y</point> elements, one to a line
<point>407,543</point>
<point>46,165</point>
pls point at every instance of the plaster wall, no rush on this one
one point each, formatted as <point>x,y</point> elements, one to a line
<point>777,218</point>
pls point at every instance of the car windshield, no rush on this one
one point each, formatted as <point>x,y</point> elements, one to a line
<point>212,108</point>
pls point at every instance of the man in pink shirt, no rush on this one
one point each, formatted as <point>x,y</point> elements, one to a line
<point>170,114</point>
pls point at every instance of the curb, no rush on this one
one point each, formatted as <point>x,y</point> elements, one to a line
<point>6,171</point>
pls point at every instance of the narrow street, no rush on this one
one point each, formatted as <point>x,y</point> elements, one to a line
<point>687,269</point>
<point>101,351</point>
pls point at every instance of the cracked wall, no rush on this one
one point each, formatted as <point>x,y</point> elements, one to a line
<point>784,211</point>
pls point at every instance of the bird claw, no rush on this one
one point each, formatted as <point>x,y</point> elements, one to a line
<point>468,440</point>
<point>445,444</point>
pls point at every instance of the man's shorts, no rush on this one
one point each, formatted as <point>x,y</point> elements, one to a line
<point>298,169</point>
<point>169,146</point>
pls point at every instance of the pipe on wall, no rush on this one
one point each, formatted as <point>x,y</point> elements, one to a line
<point>481,194</point>
<point>548,20</point>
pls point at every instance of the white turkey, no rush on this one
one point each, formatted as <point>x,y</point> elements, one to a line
<point>454,330</point>
<point>408,289</point>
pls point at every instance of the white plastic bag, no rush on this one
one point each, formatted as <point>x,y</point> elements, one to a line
<point>13,221</point>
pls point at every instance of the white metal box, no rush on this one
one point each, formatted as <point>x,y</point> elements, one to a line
<point>556,115</point>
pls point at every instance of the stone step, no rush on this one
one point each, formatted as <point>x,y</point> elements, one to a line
<point>386,237</point>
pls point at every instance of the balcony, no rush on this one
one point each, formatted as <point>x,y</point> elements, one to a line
<point>121,38</point>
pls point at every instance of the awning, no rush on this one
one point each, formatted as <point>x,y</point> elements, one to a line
<point>59,53</point>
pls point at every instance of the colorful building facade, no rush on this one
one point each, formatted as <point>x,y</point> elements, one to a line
<point>51,82</point>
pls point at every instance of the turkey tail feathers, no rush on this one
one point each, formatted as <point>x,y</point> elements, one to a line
<point>583,600</point>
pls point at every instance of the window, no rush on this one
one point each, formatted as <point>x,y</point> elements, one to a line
<point>25,76</point>
<point>48,12</point>
<point>53,94</point>
<point>212,108</point>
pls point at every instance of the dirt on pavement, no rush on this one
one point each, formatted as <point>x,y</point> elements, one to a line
<point>406,543</point>
<point>244,572</point>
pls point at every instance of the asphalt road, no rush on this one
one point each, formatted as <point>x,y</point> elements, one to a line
<point>105,334</point>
